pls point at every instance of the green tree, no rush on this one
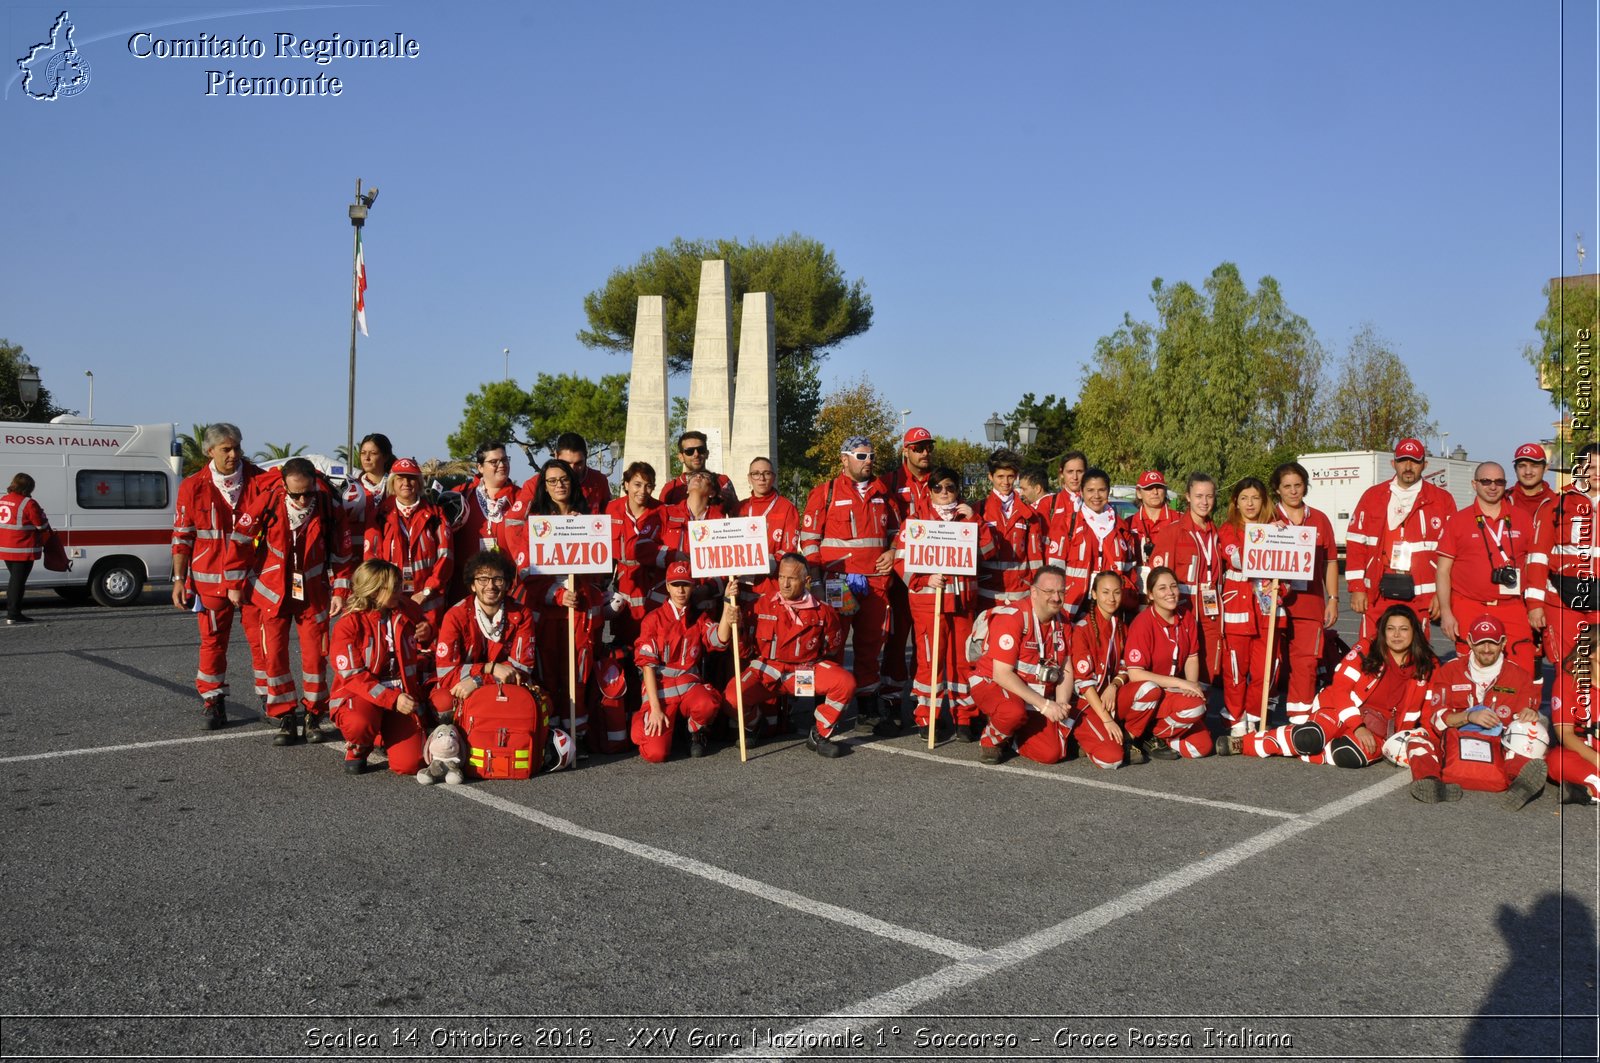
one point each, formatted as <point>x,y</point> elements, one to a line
<point>1373,403</point>
<point>1564,357</point>
<point>1056,423</point>
<point>597,410</point>
<point>12,359</point>
<point>966,458</point>
<point>191,445</point>
<point>854,409</point>
<point>1211,385</point>
<point>274,451</point>
<point>815,309</point>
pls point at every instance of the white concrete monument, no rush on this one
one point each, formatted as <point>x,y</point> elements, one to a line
<point>647,391</point>
<point>755,424</point>
<point>711,372</point>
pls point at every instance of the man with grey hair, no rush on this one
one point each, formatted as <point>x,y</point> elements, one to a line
<point>201,579</point>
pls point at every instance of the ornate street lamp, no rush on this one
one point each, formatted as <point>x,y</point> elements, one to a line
<point>27,392</point>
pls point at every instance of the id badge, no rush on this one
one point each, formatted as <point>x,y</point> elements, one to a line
<point>833,591</point>
<point>1476,749</point>
<point>486,543</point>
<point>297,588</point>
<point>805,682</point>
<point>1209,601</point>
<point>1400,557</point>
<point>406,584</point>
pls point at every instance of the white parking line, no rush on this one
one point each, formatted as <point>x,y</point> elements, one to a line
<point>140,745</point>
<point>1076,780</point>
<point>914,994</point>
<point>787,898</point>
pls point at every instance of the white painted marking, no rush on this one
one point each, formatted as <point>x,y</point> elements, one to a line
<point>140,745</point>
<point>914,994</point>
<point>723,877</point>
<point>1076,780</point>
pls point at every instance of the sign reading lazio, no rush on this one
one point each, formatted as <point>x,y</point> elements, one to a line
<point>1279,553</point>
<point>729,547</point>
<point>560,545</point>
<point>946,546</point>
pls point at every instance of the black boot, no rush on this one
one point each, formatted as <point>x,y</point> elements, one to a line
<point>214,713</point>
<point>288,730</point>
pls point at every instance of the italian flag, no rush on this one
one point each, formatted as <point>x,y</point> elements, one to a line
<point>361,285</point>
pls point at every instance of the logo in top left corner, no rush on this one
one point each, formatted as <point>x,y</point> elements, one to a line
<point>55,69</point>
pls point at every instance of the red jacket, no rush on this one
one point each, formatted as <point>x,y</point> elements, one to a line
<point>1097,648</point>
<point>1576,703</point>
<point>1564,538</point>
<point>1161,646</point>
<point>908,493</point>
<point>1478,545</point>
<point>675,520</point>
<point>321,552</point>
<point>1371,549</point>
<point>1241,606</point>
<point>462,651</point>
<point>418,545</point>
<point>202,523</point>
<point>478,530</point>
<point>1531,504</point>
<point>1351,692</point>
<point>636,545</point>
<point>1453,690</point>
<point>596,489</point>
<point>1194,553</point>
<point>375,658</point>
<point>1006,574</point>
<point>960,592</point>
<point>795,634</point>
<point>1076,548</point>
<point>1145,529</point>
<point>844,530</point>
<point>783,533</point>
<point>674,644</point>
<point>23,528</point>
<point>677,489</point>
<point>1308,602</point>
<point>1035,651</point>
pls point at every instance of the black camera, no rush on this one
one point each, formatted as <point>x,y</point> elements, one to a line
<point>1505,576</point>
<point>1149,548</point>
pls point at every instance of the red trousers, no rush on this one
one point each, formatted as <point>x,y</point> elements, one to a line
<point>1510,612</point>
<point>900,630</point>
<point>700,704</point>
<point>1244,676</point>
<point>216,624</point>
<point>363,722</point>
<point>1211,645</point>
<point>1038,737</point>
<point>1302,651</point>
<point>268,636</point>
<point>954,679</point>
<point>1567,766</point>
<point>1178,719</point>
<point>550,638</point>
<point>869,630</point>
<point>763,681</point>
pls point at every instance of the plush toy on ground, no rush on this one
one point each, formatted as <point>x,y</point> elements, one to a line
<point>442,756</point>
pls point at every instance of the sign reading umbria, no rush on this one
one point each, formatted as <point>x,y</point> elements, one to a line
<point>729,547</point>
<point>1271,552</point>
<point>562,545</point>
<point>950,547</point>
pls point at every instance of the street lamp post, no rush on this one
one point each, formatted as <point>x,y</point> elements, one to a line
<point>90,374</point>
<point>904,414</point>
<point>358,218</point>
<point>1027,432</point>
<point>27,392</point>
<point>507,352</point>
<point>994,429</point>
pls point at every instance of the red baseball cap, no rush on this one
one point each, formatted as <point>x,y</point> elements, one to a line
<point>1486,629</point>
<point>917,435</point>
<point>1531,452</point>
<point>1152,478</point>
<point>678,572</point>
<point>405,467</point>
<point>1411,448</point>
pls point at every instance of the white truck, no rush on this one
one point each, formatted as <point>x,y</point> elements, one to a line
<point>1338,479</point>
<point>108,491</point>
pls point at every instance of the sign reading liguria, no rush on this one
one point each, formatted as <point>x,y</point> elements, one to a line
<point>950,547</point>
<point>1271,552</point>
<point>559,545</point>
<point>729,547</point>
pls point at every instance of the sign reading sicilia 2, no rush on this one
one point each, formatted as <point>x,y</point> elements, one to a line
<point>576,544</point>
<point>941,546</point>
<point>1271,552</point>
<point>729,547</point>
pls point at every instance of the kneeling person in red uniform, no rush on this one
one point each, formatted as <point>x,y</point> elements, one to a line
<point>1163,706</point>
<point>795,650</point>
<point>1574,760</point>
<point>1485,714</point>
<point>1019,681</point>
<point>672,644</point>
<point>377,688</point>
<point>484,638</point>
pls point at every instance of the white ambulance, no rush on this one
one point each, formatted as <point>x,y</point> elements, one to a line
<point>108,491</point>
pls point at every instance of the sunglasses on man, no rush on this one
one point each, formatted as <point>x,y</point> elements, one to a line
<point>691,451</point>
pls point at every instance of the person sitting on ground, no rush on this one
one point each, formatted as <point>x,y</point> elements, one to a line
<point>1163,705</point>
<point>378,682</point>
<point>1019,682</point>
<point>487,637</point>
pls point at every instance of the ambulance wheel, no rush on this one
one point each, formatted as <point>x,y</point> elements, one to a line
<point>117,581</point>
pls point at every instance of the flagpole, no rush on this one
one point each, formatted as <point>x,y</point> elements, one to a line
<point>358,218</point>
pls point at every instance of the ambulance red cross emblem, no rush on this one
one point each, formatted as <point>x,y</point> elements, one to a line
<point>103,488</point>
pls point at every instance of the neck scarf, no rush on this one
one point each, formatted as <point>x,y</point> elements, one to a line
<point>494,509</point>
<point>1482,677</point>
<point>299,512</point>
<point>1100,523</point>
<point>945,512</point>
<point>491,626</point>
<point>230,486</point>
<point>1401,500</point>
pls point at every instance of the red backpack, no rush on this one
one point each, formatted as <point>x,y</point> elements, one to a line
<point>506,727</point>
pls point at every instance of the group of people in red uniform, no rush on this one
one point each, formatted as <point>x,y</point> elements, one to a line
<point>1080,629</point>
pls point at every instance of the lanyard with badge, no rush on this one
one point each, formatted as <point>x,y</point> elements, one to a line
<point>1205,582</point>
<point>1505,573</point>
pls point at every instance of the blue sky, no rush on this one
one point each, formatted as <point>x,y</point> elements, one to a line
<point>1007,178</point>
